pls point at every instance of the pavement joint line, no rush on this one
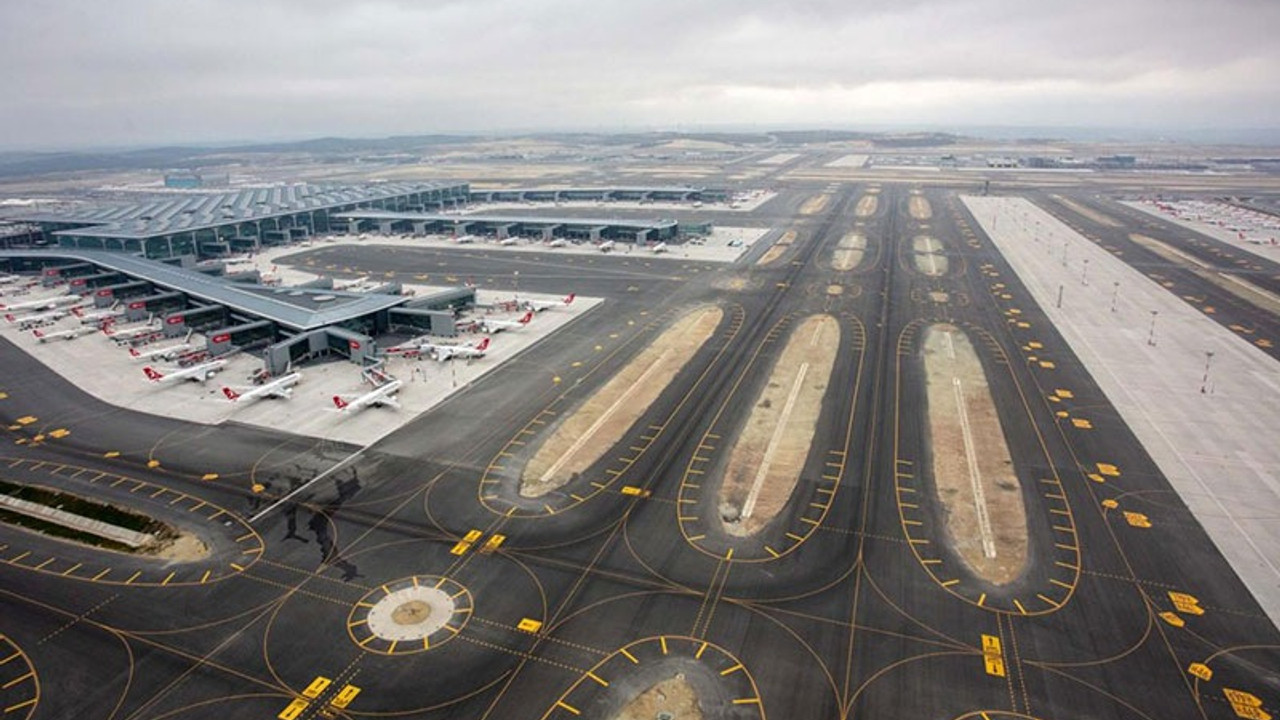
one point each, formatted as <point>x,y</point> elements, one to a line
<point>332,469</point>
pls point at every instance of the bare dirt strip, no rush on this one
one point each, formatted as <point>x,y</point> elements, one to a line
<point>815,204</point>
<point>849,251</point>
<point>919,207</point>
<point>778,248</point>
<point>1243,289</point>
<point>980,493</point>
<point>1088,212</point>
<point>598,424</point>
<point>770,451</point>
<point>928,256</point>
<point>866,206</point>
<point>672,698</point>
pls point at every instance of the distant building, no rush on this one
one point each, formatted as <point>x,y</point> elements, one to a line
<point>1118,161</point>
<point>188,180</point>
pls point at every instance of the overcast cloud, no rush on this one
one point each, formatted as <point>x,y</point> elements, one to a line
<point>107,72</point>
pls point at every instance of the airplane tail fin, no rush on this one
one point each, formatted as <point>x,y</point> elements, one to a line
<point>151,373</point>
<point>569,300</point>
<point>528,316</point>
<point>337,400</point>
<point>483,344</point>
<point>9,317</point>
<point>37,333</point>
<point>77,311</point>
<point>231,394</point>
<point>133,352</point>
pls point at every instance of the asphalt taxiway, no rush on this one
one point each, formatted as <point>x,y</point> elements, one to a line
<point>850,604</point>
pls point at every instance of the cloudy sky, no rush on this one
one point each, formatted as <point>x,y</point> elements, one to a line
<point>82,73</point>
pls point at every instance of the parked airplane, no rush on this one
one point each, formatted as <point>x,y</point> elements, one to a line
<point>491,325</point>
<point>45,304</point>
<point>507,241</point>
<point>606,246</point>
<point>377,397</point>
<point>448,352</point>
<point>659,248</point>
<point>71,334</point>
<point>199,373</point>
<point>168,352</point>
<point>540,305</point>
<point>97,318</point>
<point>29,321</point>
<point>281,387</point>
<point>558,242</point>
<point>124,336</point>
<point>465,239</point>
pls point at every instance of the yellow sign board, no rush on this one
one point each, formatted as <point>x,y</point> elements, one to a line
<point>472,536</point>
<point>1109,469</point>
<point>460,548</point>
<point>1200,670</point>
<point>1172,618</point>
<point>529,625</point>
<point>1136,519</point>
<point>1185,603</point>
<point>316,687</point>
<point>493,543</point>
<point>345,696</point>
<point>293,710</point>
<point>634,491</point>
<point>1240,697</point>
<point>993,655</point>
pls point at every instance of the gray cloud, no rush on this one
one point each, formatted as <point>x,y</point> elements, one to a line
<point>146,71</point>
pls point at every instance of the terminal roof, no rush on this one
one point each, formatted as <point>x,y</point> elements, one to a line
<point>500,219</point>
<point>196,211</point>
<point>292,308</point>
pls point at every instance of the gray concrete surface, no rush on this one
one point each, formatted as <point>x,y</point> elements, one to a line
<point>1217,447</point>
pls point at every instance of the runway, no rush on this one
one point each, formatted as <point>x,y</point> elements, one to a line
<point>851,604</point>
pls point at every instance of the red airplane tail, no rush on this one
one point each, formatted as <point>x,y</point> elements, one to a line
<point>133,352</point>
<point>151,373</point>
<point>569,300</point>
<point>483,344</point>
<point>9,317</point>
<point>337,400</point>
<point>37,333</point>
<point>231,394</point>
<point>528,317</point>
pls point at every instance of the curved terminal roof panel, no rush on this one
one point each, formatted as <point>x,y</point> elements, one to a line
<point>292,308</point>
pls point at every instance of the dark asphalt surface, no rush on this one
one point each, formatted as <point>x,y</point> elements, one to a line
<point>850,605</point>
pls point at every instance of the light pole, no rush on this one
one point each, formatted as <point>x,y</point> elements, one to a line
<point>1204,382</point>
<point>1151,334</point>
<point>1084,273</point>
<point>1115,294</point>
<point>1064,254</point>
<point>515,282</point>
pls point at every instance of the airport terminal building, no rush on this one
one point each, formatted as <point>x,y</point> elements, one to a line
<point>217,224</point>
